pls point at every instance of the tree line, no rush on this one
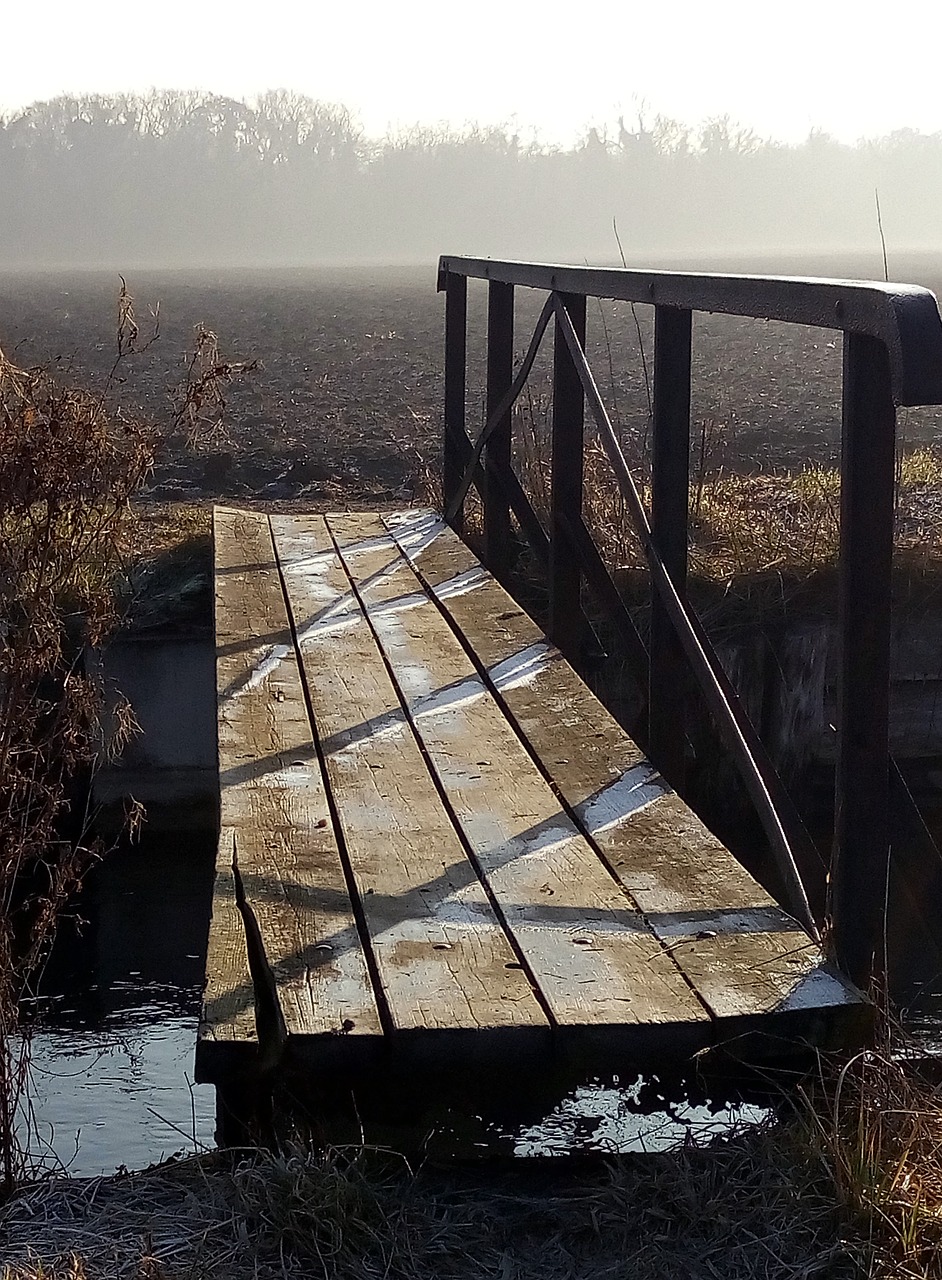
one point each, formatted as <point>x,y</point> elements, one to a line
<point>193,178</point>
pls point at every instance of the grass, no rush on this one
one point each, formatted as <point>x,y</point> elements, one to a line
<point>845,1180</point>
<point>753,524</point>
<point>745,525</point>
<point>846,1183</point>
<point>747,1208</point>
<point>763,549</point>
<point>168,566</point>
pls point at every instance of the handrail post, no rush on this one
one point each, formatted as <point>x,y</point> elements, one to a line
<point>454,445</point>
<point>670,482</point>
<point>568,457</point>
<point>497,452</point>
<point>861,830</point>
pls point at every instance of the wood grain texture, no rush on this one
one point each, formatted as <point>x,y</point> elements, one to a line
<point>742,954</point>
<point>274,815</point>
<point>227,1039</point>
<point>523,878</point>
<point>444,962</point>
<point>594,959</point>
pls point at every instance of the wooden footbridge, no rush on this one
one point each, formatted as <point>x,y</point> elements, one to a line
<point>439,854</point>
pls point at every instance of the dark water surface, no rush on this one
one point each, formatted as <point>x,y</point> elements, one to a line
<point>112,1054</point>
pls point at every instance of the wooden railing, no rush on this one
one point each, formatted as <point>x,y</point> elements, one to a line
<point>892,356</point>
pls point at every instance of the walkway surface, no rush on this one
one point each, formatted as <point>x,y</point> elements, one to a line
<point>436,845</point>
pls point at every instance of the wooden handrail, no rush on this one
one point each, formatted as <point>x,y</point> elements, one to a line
<point>892,356</point>
<point>904,317</point>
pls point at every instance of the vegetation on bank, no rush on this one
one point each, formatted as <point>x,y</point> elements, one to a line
<point>68,468</point>
<point>71,552</point>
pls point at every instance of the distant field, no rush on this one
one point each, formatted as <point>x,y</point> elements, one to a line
<point>346,405</point>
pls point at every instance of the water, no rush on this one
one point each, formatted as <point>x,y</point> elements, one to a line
<point>614,1117</point>
<point>112,1053</point>
<point>118,1095</point>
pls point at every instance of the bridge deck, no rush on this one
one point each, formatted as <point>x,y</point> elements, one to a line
<point>451,855</point>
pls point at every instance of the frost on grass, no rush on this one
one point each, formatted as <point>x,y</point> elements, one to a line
<point>743,1209</point>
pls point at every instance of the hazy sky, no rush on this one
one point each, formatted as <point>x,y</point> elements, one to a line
<point>840,65</point>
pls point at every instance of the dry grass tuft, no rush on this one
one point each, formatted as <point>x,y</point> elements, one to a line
<point>742,525</point>
<point>169,566</point>
<point>744,1208</point>
<point>876,1126</point>
<point>846,1183</point>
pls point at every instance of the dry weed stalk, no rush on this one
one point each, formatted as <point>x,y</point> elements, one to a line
<point>201,405</point>
<point>69,467</point>
<point>874,1124</point>
<point>67,472</point>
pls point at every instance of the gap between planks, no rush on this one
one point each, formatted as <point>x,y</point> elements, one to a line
<point>587,946</point>
<point>274,808</point>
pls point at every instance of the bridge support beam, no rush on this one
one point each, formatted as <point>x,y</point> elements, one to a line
<point>860,865</point>
<point>567,624</point>
<point>455,449</point>
<point>497,452</point>
<point>670,483</point>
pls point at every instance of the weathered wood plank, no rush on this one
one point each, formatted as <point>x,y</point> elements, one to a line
<point>587,947</point>
<point>227,1036</point>
<point>274,815</point>
<point>444,962</point>
<point>744,956</point>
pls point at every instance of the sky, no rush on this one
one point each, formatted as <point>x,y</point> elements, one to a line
<point>549,69</point>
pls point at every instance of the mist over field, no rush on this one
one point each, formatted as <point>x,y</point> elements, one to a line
<point>182,179</point>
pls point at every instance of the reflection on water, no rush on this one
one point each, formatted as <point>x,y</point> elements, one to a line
<point>612,1117</point>
<point>119,1094</point>
<point>116,1021</point>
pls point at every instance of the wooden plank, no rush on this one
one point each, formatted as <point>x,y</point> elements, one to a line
<point>444,962</point>
<point>274,814</point>
<point>227,1040</point>
<point>584,941</point>
<point>744,956</point>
